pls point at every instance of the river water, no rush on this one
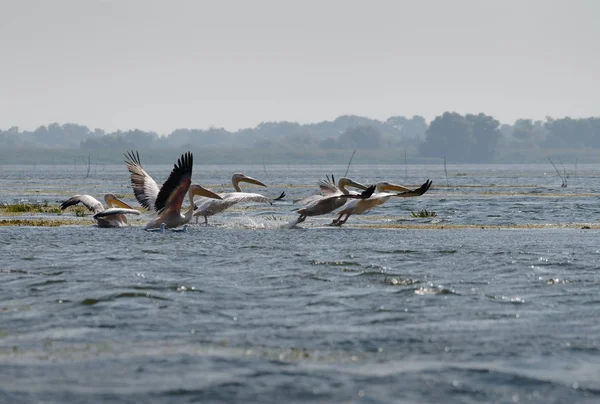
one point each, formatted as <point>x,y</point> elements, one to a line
<point>495,299</point>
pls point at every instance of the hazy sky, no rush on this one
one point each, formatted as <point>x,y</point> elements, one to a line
<point>161,65</point>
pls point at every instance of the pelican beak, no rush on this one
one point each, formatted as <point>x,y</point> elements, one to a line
<point>120,203</point>
<point>357,185</point>
<point>386,186</point>
<point>201,191</point>
<point>251,180</point>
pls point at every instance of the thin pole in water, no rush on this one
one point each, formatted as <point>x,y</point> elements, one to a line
<point>350,162</point>
<point>405,167</point>
<point>446,172</point>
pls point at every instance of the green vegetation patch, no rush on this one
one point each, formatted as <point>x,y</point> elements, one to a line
<point>79,210</point>
<point>30,207</point>
<point>423,213</point>
<point>37,222</point>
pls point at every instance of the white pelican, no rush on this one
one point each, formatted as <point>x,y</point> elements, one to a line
<point>327,204</point>
<point>110,217</point>
<point>166,202</point>
<point>358,206</point>
<point>210,207</point>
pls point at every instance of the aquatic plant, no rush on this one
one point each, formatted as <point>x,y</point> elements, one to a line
<point>79,211</point>
<point>28,222</point>
<point>22,207</point>
<point>423,213</point>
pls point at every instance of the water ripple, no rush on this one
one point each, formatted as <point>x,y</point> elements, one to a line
<point>495,300</point>
<point>126,295</point>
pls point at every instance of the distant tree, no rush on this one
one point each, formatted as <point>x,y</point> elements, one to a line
<point>40,135</point>
<point>573,133</point>
<point>592,131</point>
<point>107,142</point>
<point>414,127</point>
<point>485,135</point>
<point>449,135</point>
<point>302,140</point>
<point>133,139</point>
<point>273,130</point>
<point>523,129</point>
<point>178,138</point>
<point>14,130</point>
<point>329,144</point>
<point>141,139</point>
<point>506,130</point>
<point>214,137</point>
<point>56,135</point>
<point>346,122</point>
<point>470,138</point>
<point>11,138</point>
<point>361,137</point>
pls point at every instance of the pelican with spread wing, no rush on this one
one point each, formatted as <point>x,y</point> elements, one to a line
<point>329,203</point>
<point>210,207</point>
<point>166,202</point>
<point>113,216</point>
<point>328,187</point>
<point>358,206</point>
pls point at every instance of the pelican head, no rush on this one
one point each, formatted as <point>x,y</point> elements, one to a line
<point>111,200</point>
<point>387,186</point>
<point>347,182</point>
<point>238,177</point>
<point>197,190</point>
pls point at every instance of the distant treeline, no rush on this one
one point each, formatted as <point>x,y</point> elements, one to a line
<point>458,138</point>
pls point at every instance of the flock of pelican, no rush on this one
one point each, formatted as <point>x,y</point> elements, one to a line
<point>212,206</point>
<point>165,203</point>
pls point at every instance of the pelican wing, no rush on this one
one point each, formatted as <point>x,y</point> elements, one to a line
<point>328,187</point>
<point>86,200</point>
<point>173,191</point>
<point>145,188</point>
<point>308,199</point>
<point>415,192</point>
<point>366,194</point>
<point>325,204</point>
<point>116,211</point>
<point>238,197</point>
<point>209,207</point>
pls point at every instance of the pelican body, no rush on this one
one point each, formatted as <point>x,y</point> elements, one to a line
<point>166,202</point>
<point>209,207</point>
<point>113,216</point>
